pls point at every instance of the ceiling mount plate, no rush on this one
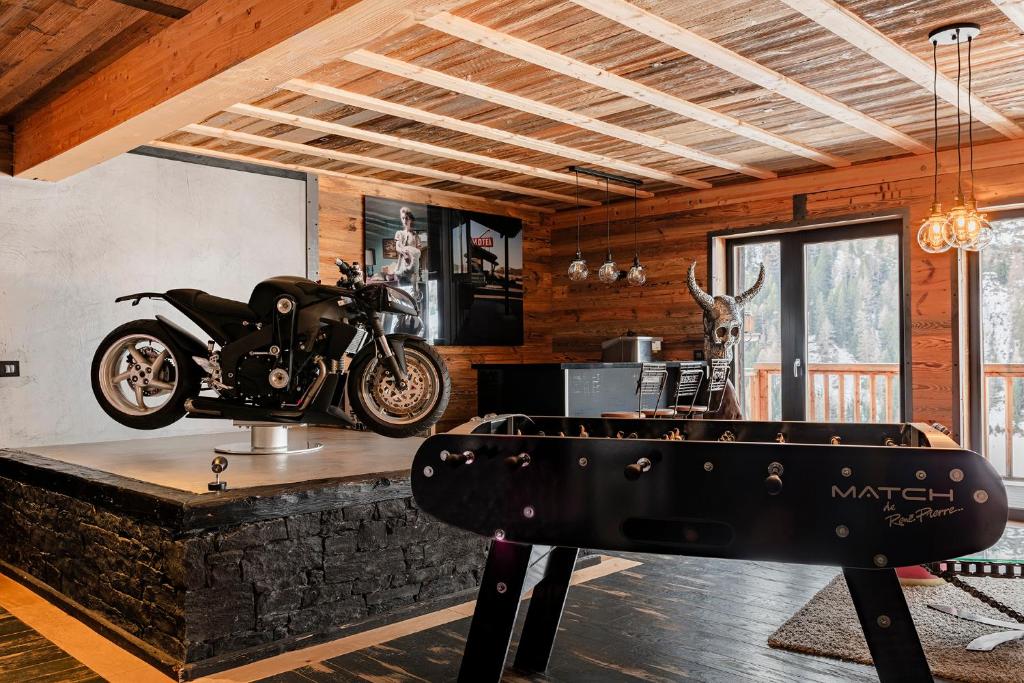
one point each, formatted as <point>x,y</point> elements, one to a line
<point>951,34</point>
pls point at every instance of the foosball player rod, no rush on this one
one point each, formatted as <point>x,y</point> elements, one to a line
<point>497,604</point>
<point>545,611</point>
<point>888,627</point>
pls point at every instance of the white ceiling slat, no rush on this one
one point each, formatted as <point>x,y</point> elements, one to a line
<point>482,92</point>
<point>588,73</point>
<point>687,41</point>
<point>220,154</point>
<point>310,150</point>
<point>326,92</point>
<point>866,37</point>
<point>332,128</point>
<point>1013,9</point>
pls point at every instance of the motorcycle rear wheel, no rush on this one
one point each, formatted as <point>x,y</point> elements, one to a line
<point>390,411</point>
<point>141,378</point>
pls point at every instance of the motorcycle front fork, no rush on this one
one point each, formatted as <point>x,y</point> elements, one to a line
<point>386,353</point>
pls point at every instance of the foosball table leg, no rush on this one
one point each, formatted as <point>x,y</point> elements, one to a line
<point>495,615</point>
<point>888,627</point>
<point>545,611</point>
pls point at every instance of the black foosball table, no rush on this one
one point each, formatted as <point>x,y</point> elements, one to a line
<point>866,498</point>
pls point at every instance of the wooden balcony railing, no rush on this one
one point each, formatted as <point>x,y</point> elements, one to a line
<point>837,394</point>
<point>827,384</point>
<point>1003,374</point>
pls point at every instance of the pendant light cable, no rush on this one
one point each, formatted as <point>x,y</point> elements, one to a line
<point>970,113</point>
<point>636,247</point>
<point>578,217</point>
<point>935,117</point>
<point>959,184</point>
<point>608,219</point>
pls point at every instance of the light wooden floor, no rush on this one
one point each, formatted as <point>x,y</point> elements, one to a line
<point>183,462</point>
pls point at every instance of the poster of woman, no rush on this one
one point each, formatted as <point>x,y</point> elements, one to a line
<point>463,267</point>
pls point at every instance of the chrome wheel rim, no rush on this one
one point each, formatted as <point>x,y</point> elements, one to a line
<point>385,401</point>
<point>138,374</point>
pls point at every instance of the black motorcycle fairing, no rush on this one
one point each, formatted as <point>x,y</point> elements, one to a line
<point>182,338</point>
<point>302,291</point>
<point>222,318</point>
<point>388,299</point>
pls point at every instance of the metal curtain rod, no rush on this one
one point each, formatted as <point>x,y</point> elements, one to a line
<point>606,176</point>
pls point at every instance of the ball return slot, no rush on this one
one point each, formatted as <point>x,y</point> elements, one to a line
<point>866,498</point>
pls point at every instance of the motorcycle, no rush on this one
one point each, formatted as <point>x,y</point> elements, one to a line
<point>293,354</point>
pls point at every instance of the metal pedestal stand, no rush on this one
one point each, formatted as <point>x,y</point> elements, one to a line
<point>269,438</point>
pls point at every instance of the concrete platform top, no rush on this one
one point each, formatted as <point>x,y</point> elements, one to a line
<point>183,462</point>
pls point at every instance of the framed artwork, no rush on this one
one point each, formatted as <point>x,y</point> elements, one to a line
<point>464,267</point>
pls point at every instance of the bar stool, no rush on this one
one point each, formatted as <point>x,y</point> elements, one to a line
<point>652,380</point>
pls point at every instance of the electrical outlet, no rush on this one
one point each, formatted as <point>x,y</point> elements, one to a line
<point>10,368</point>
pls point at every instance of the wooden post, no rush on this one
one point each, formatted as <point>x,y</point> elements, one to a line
<point>874,398</point>
<point>1009,425</point>
<point>856,397</point>
<point>842,397</point>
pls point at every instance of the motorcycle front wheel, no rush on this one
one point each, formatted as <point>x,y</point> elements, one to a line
<point>141,378</point>
<point>384,408</point>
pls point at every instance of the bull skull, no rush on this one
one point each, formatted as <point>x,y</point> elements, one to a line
<point>723,315</point>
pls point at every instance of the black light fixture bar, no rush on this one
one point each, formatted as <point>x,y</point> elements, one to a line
<point>606,176</point>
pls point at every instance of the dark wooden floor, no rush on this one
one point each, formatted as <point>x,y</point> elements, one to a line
<point>27,656</point>
<point>669,619</point>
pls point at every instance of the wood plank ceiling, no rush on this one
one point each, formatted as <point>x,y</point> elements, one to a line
<point>498,98</point>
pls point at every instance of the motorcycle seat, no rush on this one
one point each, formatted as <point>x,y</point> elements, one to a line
<point>214,305</point>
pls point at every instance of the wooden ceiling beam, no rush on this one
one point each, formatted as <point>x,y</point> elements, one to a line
<point>326,92</point>
<point>859,33</point>
<point>488,94</point>
<point>464,29</point>
<point>687,41</point>
<point>332,128</point>
<point>221,53</point>
<point>311,150</point>
<point>1013,9</point>
<point>405,187</point>
<point>155,7</point>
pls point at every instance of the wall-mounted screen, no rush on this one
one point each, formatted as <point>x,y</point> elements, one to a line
<point>464,267</point>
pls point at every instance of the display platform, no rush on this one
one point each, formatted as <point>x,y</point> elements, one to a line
<point>298,549</point>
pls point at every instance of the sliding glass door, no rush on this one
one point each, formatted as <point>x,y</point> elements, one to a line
<point>824,339</point>
<point>997,345</point>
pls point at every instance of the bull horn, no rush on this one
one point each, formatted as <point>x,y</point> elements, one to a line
<point>752,292</point>
<point>706,301</point>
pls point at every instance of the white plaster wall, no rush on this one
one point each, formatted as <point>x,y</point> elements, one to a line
<point>132,224</point>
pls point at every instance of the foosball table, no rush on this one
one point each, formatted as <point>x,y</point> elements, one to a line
<point>866,498</point>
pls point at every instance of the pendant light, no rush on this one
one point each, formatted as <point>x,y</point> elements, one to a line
<point>932,236</point>
<point>578,268</point>
<point>609,272</point>
<point>964,227</point>
<point>637,275</point>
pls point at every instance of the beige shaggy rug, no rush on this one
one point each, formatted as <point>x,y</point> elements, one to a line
<point>828,626</point>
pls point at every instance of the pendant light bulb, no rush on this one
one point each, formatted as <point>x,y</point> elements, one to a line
<point>609,272</point>
<point>578,271</point>
<point>637,275</point>
<point>978,226</point>
<point>932,236</point>
<point>578,268</point>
